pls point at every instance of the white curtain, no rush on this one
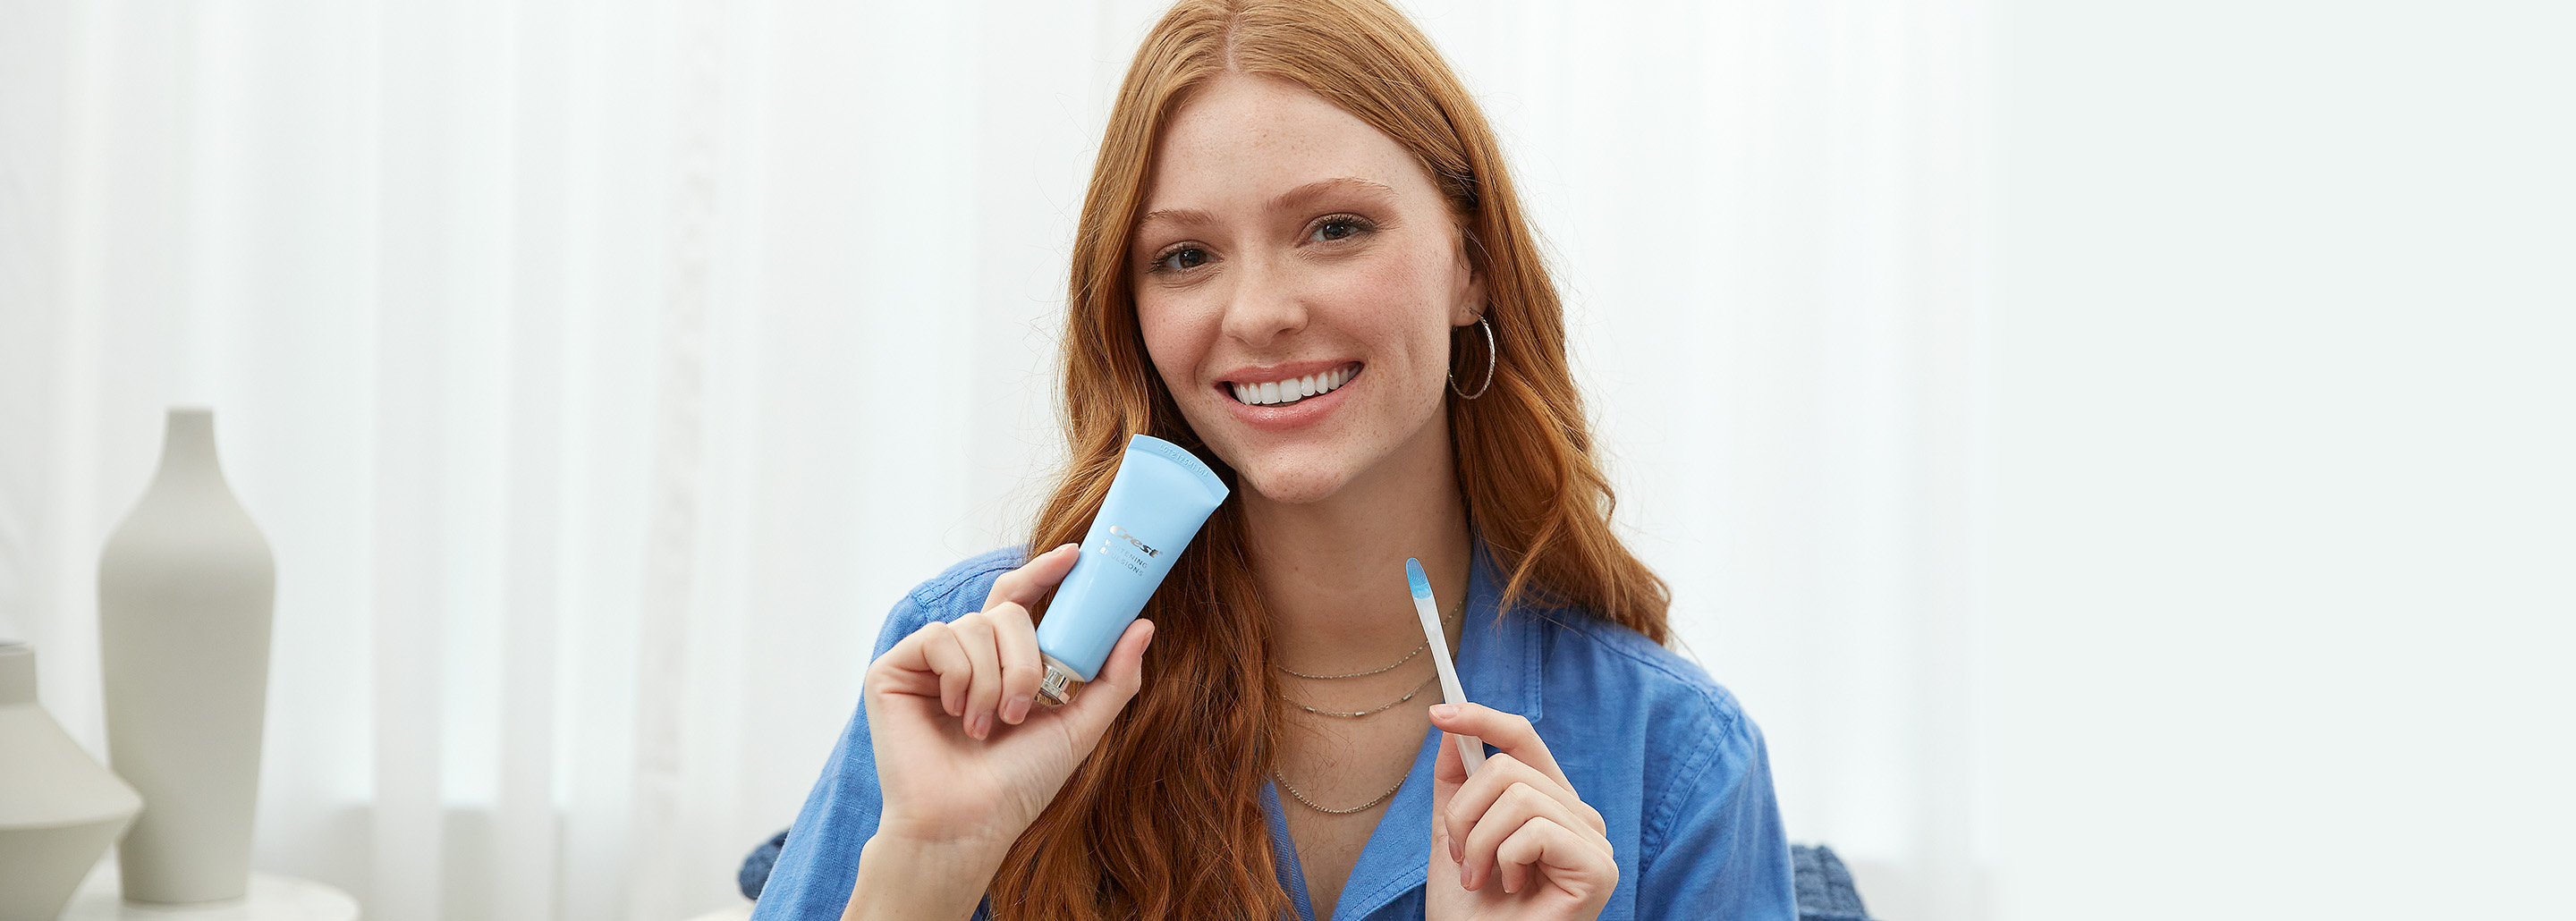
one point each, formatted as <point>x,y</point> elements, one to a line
<point>602,371</point>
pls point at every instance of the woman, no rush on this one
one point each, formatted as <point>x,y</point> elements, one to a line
<point>1301,258</point>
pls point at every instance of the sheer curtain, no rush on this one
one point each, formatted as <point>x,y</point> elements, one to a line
<point>601,372</point>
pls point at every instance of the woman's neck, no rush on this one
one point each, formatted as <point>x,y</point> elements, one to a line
<point>1332,571</point>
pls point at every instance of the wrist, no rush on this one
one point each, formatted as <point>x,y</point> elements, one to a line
<point>904,877</point>
<point>951,838</point>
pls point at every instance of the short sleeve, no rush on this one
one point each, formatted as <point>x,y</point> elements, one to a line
<point>1713,845</point>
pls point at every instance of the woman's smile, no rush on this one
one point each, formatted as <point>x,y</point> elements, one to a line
<point>1280,398</point>
<point>1287,383</point>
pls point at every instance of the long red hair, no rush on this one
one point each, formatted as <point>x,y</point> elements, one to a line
<point>1163,824</point>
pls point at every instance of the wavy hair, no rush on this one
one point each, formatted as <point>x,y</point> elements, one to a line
<point>1158,824</point>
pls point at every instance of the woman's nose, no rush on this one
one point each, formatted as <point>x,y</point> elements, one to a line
<point>1264,305</point>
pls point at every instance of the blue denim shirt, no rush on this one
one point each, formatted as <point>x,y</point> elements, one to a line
<point>1676,769</point>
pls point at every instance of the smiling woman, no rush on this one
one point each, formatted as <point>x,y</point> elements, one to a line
<point>1299,236</point>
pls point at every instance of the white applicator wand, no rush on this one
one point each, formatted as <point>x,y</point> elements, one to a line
<point>1471,750</point>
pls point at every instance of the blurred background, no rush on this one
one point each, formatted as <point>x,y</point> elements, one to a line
<point>2119,452</point>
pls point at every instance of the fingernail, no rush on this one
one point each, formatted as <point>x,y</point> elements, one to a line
<point>981,727</point>
<point>1467,878</point>
<point>1444,711</point>
<point>1457,854</point>
<point>1015,710</point>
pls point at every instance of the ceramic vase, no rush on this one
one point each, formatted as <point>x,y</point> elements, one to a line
<point>184,593</point>
<point>59,808</point>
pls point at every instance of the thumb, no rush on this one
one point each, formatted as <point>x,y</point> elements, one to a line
<point>1120,678</point>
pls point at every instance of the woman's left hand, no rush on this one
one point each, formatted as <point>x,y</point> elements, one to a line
<point>1514,841</point>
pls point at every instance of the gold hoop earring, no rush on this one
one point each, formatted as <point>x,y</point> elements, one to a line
<point>1493,356</point>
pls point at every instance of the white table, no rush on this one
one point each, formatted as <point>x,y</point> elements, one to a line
<point>272,898</point>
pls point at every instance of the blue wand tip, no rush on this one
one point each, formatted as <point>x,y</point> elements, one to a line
<point>1413,576</point>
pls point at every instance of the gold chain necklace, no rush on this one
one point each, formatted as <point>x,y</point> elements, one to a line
<point>1454,608</point>
<point>1372,711</point>
<point>1299,795</point>
<point>1310,804</point>
<point>1389,705</point>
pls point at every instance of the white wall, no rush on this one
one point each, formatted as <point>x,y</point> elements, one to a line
<point>2284,580</point>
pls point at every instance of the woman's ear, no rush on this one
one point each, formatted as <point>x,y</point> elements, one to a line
<point>1469,304</point>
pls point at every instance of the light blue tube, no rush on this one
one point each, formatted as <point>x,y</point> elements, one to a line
<point>1156,503</point>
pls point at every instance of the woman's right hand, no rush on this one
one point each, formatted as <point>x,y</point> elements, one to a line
<point>965,756</point>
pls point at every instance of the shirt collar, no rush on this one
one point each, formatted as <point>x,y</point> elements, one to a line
<point>1498,667</point>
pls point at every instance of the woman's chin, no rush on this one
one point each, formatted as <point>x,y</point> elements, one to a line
<point>1301,485</point>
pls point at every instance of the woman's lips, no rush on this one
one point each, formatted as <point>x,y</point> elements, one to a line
<point>1306,410</point>
<point>1278,389</point>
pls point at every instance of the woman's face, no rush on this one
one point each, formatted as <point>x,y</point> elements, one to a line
<point>1287,245</point>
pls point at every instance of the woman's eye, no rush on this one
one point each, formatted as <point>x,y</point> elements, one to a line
<point>1335,228</point>
<point>1188,257</point>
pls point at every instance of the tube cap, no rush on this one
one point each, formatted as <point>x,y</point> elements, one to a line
<point>1061,685</point>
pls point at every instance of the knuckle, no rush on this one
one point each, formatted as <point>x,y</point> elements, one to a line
<point>1469,793</point>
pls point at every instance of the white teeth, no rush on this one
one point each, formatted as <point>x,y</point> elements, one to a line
<point>1275,393</point>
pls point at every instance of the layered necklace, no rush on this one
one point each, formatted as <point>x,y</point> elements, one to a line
<point>1454,608</point>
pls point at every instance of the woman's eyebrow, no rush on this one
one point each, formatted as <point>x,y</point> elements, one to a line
<point>1187,217</point>
<point>1194,217</point>
<point>1321,187</point>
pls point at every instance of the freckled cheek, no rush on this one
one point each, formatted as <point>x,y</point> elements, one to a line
<point>1177,332</point>
<point>1391,305</point>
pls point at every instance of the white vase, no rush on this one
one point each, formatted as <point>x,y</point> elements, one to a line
<point>184,600</point>
<point>59,809</point>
